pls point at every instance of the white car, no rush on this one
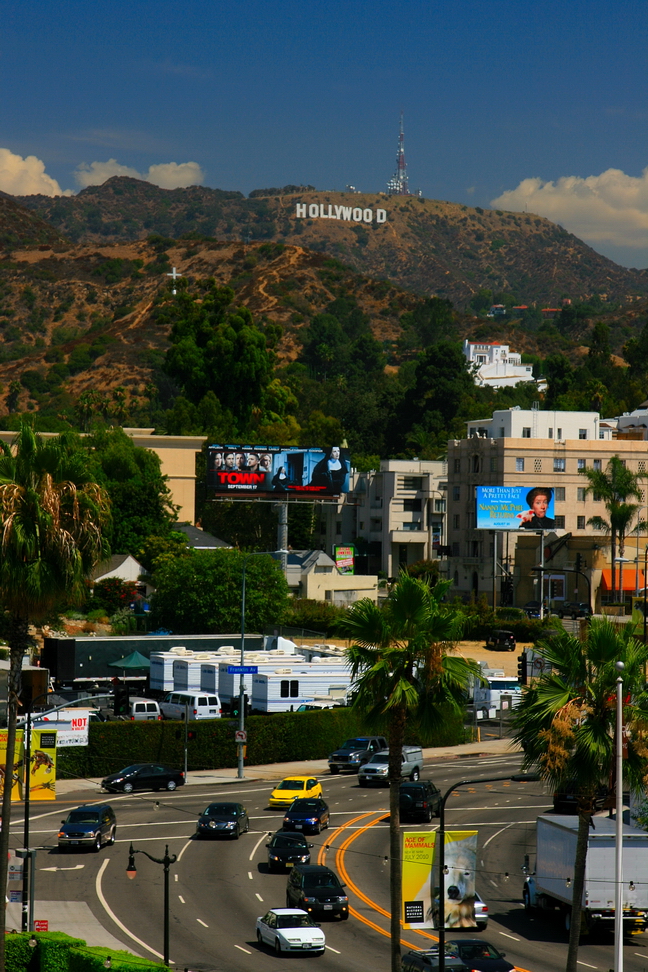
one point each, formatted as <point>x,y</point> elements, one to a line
<point>290,930</point>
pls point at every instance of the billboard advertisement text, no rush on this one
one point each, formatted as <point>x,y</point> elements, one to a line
<point>418,858</point>
<point>277,470</point>
<point>515,508</point>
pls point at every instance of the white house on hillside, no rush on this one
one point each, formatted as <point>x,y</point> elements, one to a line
<point>497,366</point>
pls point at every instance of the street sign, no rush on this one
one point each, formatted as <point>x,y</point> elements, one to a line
<point>240,735</point>
<point>242,669</point>
<point>41,925</point>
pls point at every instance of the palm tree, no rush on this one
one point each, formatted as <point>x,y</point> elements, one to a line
<point>405,680</point>
<point>565,724</point>
<point>616,487</point>
<point>51,520</point>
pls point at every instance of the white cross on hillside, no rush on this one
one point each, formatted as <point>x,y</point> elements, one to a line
<point>176,276</point>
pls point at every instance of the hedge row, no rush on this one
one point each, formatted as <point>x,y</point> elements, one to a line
<point>57,952</point>
<point>282,737</point>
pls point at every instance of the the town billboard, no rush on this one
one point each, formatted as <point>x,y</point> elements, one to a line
<point>273,469</point>
<point>515,508</point>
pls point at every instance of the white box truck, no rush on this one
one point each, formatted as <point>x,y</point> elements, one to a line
<point>549,887</point>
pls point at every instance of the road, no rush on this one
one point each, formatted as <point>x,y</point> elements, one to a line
<point>218,888</point>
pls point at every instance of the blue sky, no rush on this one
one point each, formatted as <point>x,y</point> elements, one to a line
<point>260,94</point>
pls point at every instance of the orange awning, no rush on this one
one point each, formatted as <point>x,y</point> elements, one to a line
<point>629,578</point>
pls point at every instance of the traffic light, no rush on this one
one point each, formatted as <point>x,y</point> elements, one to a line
<point>121,699</point>
<point>579,561</point>
<point>522,668</point>
<point>246,705</point>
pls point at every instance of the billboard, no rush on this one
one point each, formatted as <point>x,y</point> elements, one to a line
<point>345,559</point>
<point>515,508</point>
<point>278,470</point>
<point>418,858</point>
<point>459,884</point>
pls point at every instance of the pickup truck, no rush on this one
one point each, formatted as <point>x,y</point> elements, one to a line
<point>355,752</point>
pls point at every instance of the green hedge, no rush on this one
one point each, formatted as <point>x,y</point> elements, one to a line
<point>277,738</point>
<point>57,952</point>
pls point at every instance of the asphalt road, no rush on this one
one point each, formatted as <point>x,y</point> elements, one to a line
<point>218,888</point>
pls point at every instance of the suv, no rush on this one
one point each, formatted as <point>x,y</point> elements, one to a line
<point>428,959</point>
<point>574,609</point>
<point>354,753</point>
<point>377,769</point>
<point>500,640</point>
<point>419,800</point>
<point>89,826</point>
<point>317,890</point>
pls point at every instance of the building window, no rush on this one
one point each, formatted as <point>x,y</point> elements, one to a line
<point>537,465</point>
<point>581,494</point>
<point>289,688</point>
<point>502,432</point>
<point>560,522</point>
<point>456,492</point>
<point>559,493</point>
<point>559,433</point>
<point>519,465</point>
<point>526,433</point>
<point>457,465</point>
<point>559,465</point>
<point>361,525</point>
<point>338,528</point>
<point>550,433</point>
<point>475,546</point>
<point>580,522</point>
<point>493,464</point>
<point>413,483</point>
<point>412,505</point>
<point>596,497</point>
<point>455,549</point>
<point>439,506</point>
<point>475,464</point>
<point>412,526</point>
<point>601,434</point>
<point>598,465</point>
<point>582,433</point>
<point>581,464</point>
<point>456,578</point>
<point>641,466</point>
<point>375,525</point>
<point>456,521</point>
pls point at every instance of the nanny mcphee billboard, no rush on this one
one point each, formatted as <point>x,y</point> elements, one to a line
<point>272,469</point>
<point>515,508</point>
<point>352,214</point>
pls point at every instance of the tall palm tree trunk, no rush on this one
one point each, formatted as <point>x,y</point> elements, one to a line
<point>396,740</point>
<point>613,550</point>
<point>18,644</point>
<point>579,884</point>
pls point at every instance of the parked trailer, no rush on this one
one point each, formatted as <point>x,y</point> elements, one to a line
<point>548,888</point>
<point>284,690</point>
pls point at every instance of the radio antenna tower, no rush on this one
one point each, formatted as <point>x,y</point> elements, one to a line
<point>398,184</point>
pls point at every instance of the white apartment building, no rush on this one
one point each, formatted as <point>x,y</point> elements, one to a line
<point>518,447</point>
<point>393,515</point>
<point>496,366</point>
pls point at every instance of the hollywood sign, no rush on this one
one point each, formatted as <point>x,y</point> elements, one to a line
<point>349,213</point>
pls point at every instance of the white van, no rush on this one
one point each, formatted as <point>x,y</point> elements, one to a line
<point>197,706</point>
<point>144,710</point>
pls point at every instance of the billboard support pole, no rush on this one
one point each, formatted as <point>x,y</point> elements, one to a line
<point>542,573</point>
<point>494,569</point>
<point>282,535</point>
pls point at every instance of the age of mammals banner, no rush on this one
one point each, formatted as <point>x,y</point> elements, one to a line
<point>272,469</point>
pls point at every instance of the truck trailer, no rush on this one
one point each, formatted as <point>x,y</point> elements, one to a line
<point>548,888</point>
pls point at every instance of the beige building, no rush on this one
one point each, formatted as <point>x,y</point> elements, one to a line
<point>313,574</point>
<point>489,458</point>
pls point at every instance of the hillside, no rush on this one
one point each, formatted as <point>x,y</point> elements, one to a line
<point>21,227</point>
<point>426,246</point>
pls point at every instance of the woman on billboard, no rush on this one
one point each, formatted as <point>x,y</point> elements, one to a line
<point>535,518</point>
<point>331,472</point>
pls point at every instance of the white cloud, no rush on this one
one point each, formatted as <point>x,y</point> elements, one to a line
<point>166,175</point>
<point>25,177</point>
<point>610,208</point>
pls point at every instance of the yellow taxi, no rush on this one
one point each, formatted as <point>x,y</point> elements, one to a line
<point>294,788</point>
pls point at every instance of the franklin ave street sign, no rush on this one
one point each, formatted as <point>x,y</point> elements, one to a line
<point>242,670</point>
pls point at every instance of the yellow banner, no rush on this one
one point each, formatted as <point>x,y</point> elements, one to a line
<point>42,771</point>
<point>418,858</point>
<point>15,768</point>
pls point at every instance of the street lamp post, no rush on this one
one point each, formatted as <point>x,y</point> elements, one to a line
<point>166,862</point>
<point>618,850</point>
<point>517,778</point>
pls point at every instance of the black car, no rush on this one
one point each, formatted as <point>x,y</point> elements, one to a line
<point>419,800</point>
<point>318,890</point>
<point>427,960</point>
<point>89,826</point>
<point>532,609</point>
<point>480,955</point>
<point>308,815</point>
<point>286,850</point>
<point>144,776</point>
<point>574,609</point>
<point>501,640</point>
<point>223,820</point>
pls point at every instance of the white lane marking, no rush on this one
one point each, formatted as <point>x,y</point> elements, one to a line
<point>497,834</point>
<point>259,896</point>
<point>510,936</point>
<point>182,899</point>
<point>114,917</point>
<point>241,949</point>
<point>494,883</point>
<point>188,844</point>
<point>201,922</point>
<point>250,875</point>
<point>333,950</point>
<point>256,846</point>
<point>587,966</point>
<point>176,876</point>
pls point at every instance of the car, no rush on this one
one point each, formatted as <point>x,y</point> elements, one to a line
<point>532,609</point>
<point>223,820</point>
<point>286,850</point>
<point>309,815</point>
<point>290,930</point>
<point>293,787</point>
<point>377,769</point>
<point>480,955</point>
<point>144,710</point>
<point>419,800</point>
<point>91,825</point>
<point>426,960</point>
<point>200,705</point>
<point>318,890</point>
<point>501,640</point>
<point>144,776</point>
<point>574,609</point>
<point>355,752</point>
